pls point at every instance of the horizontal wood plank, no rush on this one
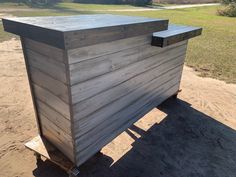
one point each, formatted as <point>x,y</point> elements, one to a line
<point>64,137</point>
<point>62,141</point>
<point>43,147</point>
<point>174,34</point>
<point>71,32</point>
<point>45,50</point>
<point>55,69</point>
<point>91,81</point>
<point>45,81</point>
<point>98,50</point>
<point>88,69</point>
<point>52,100</point>
<point>92,87</point>
<point>94,103</point>
<point>116,128</point>
<point>102,35</point>
<point>102,115</point>
<point>59,120</point>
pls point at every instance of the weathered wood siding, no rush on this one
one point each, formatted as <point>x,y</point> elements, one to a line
<point>114,84</point>
<point>85,97</point>
<point>48,79</point>
<point>92,76</point>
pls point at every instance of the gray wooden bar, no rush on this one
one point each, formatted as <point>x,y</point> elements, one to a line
<point>92,76</point>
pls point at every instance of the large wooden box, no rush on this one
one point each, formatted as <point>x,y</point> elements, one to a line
<point>92,76</point>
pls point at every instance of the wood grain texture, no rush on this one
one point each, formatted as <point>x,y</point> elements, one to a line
<point>45,81</point>
<point>108,96</point>
<point>94,86</point>
<point>47,70</point>
<point>120,85</point>
<point>102,115</point>
<point>62,141</point>
<point>98,50</point>
<point>65,138</point>
<point>26,59</point>
<point>129,117</point>
<point>36,33</point>
<point>52,100</point>
<point>51,67</point>
<point>70,32</point>
<point>43,147</point>
<point>88,69</point>
<point>58,119</point>
<point>46,50</point>
<point>78,23</point>
<point>101,35</point>
<point>106,79</point>
<point>174,34</point>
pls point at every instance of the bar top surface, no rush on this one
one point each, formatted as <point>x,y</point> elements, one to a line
<point>68,32</point>
<point>80,22</point>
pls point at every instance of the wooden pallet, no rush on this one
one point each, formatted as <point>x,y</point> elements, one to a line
<point>41,147</point>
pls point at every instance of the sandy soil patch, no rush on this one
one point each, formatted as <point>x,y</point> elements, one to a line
<point>194,135</point>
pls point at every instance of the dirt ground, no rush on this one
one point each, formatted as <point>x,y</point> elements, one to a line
<point>193,136</point>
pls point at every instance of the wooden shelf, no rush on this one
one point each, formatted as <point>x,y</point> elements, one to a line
<point>174,34</point>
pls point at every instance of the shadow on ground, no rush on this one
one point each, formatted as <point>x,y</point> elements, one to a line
<point>187,143</point>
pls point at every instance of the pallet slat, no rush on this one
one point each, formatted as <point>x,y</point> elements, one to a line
<point>174,34</point>
<point>46,50</point>
<point>55,117</point>
<point>104,115</point>
<point>88,69</point>
<point>51,67</point>
<point>81,109</point>
<point>98,50</point>
<point>61,141</point>
<point>45,81</point>
<point>94,86</point>
<point>132,117</point>
<point>52,100</point>
<point>41,146</point>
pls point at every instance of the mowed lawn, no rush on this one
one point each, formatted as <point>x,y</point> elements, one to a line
<point>213,54</point>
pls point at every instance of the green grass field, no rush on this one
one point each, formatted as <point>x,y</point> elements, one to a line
<point>213,54</point>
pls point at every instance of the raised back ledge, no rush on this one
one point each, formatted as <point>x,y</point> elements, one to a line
<point>69,32</point>
<point>174,34</point>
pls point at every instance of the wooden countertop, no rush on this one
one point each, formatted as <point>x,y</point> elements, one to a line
<point>68,32</point>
